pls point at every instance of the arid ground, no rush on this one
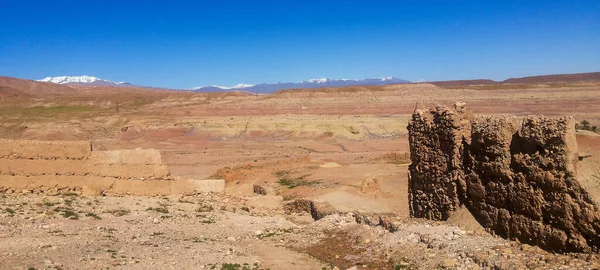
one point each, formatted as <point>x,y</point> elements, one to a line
<point>346,147</point>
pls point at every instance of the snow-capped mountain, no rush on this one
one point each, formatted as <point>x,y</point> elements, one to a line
<point>236,87</point>
<point>312,83</point>
<point>83,80</point>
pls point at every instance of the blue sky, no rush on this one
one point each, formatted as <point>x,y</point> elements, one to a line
<point>182,44</point>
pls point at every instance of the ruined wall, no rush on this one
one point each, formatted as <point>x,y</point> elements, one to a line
<point>519,179</point>
<point>435,138</point>
<point>53,167</point>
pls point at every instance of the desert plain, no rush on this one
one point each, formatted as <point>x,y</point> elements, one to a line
<point>346,149</point>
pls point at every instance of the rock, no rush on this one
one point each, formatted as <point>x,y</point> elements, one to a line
<point>448,263</point>
<point>460,106</point>
<point>370,185</point>
<point>231,239</point>
<point>156,221</point>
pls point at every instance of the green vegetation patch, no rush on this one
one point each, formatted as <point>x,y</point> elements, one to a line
<point>286,180</point>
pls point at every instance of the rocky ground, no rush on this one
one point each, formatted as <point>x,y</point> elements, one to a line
<point>226,232</point>
<point>332,145</point>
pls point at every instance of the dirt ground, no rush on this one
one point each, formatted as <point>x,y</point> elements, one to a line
<point>346,147</point>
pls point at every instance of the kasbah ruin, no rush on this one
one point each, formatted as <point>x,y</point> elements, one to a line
<point>441,175</point>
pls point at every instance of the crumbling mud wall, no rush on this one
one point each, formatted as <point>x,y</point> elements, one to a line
<point>54,167</point>
<point>517,176</point>
<point>436,154</point>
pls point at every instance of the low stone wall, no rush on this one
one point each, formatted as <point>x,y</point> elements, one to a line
<point>517,176</point>
<point>49,166</point>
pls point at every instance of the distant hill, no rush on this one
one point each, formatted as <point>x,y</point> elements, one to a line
<point>13,91</point>
<point>463,83</point>
<point>21,87</point>
<point>555,78</point>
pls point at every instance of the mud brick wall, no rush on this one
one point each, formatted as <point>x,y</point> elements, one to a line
<point>54,167</point>
<point>436,148</point>
<point>518,176</point>
<point>36,158</point>
<point>521,177</point>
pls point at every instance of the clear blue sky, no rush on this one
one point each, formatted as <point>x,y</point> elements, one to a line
<point>182,44</point>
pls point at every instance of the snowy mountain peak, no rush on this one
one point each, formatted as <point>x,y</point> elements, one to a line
<point>83,80</point>
<point>320,80</point>
<point>235,87</point>
<point>242,85</point>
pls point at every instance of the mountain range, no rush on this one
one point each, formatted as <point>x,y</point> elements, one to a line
<point>83,80</point>
<point>258,88</point>
<point>312,83</point>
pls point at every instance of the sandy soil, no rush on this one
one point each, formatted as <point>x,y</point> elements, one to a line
<point>347,147</point>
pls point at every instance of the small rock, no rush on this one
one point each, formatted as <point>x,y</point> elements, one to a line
<point>156,220</point>
<point>459,106</point>
<point>231,238</point>
<point>258,232</point>
<point>447,263</point>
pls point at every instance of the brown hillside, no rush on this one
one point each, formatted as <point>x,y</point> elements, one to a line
<point>578,77</point>
<point>35,88</point>
<point>457,83</point>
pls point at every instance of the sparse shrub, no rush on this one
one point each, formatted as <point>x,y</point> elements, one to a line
<point>69,201</point>
<point>118,212</point>
<point>69,214</point>
<point>163,210</point>
<point>231,266</point>
<point>292,182</point>
<point>236,266</point>
<point>205,208</point>
<point>586,125</point>
<point>10,212</point>
<point>282,173</point>
<point>50,203</point>
<point>186,201</point>
<point>92,215</point>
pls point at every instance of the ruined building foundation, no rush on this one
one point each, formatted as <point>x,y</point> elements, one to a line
<point>517,176</point>
<point>61,166</point>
